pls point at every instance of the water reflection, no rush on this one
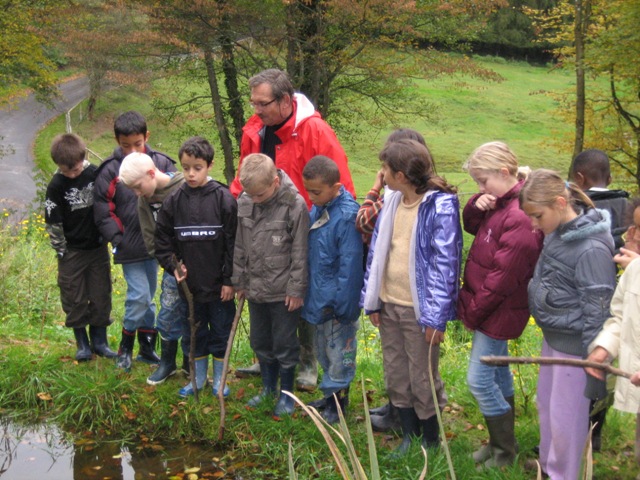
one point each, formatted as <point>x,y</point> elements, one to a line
<point>39,452</point>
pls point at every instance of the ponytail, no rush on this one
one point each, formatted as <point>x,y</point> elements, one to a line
<point>543,187</point>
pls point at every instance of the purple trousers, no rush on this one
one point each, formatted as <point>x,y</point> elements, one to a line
<point>563,411</point>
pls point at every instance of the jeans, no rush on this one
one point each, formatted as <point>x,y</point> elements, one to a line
<point>489,384</point>
<point>139,309</point>
<point>214,321</point>
<point>173,310</point>
<point>336,347</point>
<point>274,333</point>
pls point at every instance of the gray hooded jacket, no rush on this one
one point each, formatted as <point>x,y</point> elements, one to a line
<point>573,282</point>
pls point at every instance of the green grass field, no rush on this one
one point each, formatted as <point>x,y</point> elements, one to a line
<point>41,381</point>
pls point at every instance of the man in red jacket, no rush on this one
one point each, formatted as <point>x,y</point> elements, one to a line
<point>287,128</point>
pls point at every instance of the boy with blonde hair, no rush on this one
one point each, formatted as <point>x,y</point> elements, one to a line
<point>151,186</point>
<point>270,269</point>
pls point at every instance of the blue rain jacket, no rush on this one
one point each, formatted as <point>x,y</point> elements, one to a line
<point>335,262</point>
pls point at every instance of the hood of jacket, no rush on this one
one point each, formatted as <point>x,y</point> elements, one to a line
<point>594,222</point>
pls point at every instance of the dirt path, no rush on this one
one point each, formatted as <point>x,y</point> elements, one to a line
<point>19,126</point>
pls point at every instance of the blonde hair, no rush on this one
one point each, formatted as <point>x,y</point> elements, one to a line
<point>523,172</point>
<point>543,187</point>
<point>491,157</point>
<point>134,167</point>
<point>257,170</point>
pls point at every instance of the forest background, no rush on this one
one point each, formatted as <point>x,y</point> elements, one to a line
<point>548,77</point>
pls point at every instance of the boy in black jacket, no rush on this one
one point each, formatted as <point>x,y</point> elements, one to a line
<point>116,214</point>
<point>197,225</point>
<point>84,269</point>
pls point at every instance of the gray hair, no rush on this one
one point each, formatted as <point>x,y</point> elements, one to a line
<point>280,82</point>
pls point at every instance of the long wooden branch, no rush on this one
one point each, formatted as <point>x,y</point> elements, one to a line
<point>497,360</point>
<point>225,367</point>
<point>192,329</point>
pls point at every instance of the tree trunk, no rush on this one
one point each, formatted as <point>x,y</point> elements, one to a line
<point>580,29</point>
<point>633,121</point>
<point>305,50</point>
<point>236,109</point>
<point>221,123</point>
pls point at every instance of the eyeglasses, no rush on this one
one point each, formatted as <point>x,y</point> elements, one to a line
<point>261,104</point>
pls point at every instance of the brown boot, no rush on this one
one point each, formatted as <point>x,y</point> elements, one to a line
<point>484,452</point>
<point>502,441</point>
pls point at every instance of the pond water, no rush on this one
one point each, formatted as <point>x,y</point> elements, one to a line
<point>42,452</point>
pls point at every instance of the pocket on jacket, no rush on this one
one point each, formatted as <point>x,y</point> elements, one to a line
<point>277,273</point>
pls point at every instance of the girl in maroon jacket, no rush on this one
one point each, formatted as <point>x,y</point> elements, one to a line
<point>493,301</point>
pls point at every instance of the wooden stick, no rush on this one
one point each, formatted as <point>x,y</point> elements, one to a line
<point>497,360</point>
<point>225,366</point>
<point>192,329</point>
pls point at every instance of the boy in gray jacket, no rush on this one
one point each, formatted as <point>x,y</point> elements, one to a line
<point>270,269</point>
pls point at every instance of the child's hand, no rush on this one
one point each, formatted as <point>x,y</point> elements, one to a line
<point>293,303</point>
<point>379,182</point>
<point>598,355</point>
<point>625,257</point>
<point>635,379</point>
<point>240,294</point>
<point>375,319</point>
<point>434,336</point>
<point>227,293</point>
<point>486,202</point>
<point>630,241</point>
<point>180,273</point>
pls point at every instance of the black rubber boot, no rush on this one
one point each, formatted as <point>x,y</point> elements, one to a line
<point>319,404</point>
<point>125,351</point>
<point>186,369</point>
<point>597,419</point>
<point>330,413</point>
<point>168,349</point>
<point>286,404</point>
<point>383,410</point>
<point>83,352</point>
<point>98,336</point>
<point>386,422</point>
<point>410,424</point>
<point>269,373</point>
<point>147,342</point>
<point>430,432</point>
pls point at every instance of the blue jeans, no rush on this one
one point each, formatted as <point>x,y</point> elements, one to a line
<point>139,309</point>
<point>173,310</point>
<point>336,347</point>
<point>489,384</point>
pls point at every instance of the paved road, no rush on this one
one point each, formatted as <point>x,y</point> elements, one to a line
<point>19,126</point>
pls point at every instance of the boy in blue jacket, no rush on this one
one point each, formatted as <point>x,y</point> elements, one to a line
<point>335,276</point>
